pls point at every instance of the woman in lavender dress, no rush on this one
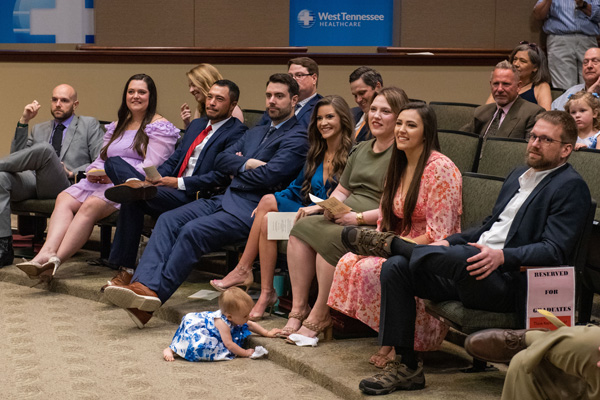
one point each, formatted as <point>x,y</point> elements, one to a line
<point>142,138</point>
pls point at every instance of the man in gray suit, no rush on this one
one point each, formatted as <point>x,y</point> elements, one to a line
<point>44,163</point>
<point>509,115</point>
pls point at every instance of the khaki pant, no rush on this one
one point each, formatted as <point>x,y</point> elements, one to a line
<point>560,364</point>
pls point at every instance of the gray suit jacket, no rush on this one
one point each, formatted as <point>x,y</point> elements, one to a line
<point>81,144</point>
<point>516,124</point>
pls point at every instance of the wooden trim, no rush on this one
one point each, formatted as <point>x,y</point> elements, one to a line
<point>267,56</point>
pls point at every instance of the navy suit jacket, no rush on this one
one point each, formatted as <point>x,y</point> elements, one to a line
<point>365,132</point>
<point>303,116</point>
<point>284,152</point>
<point>205,176</point>
<point>548,224</point>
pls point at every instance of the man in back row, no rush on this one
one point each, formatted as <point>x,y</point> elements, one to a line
<point>537,219</point>
<point>590,70</point>
<point>46,162</point>
<point>263,161</point>
<point>306,73</point>
<point>509,115</point>
<point>365,82</point>
<point>187,175</point>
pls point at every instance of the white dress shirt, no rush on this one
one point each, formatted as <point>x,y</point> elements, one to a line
<point>196,154</point>
<point>495,237</point>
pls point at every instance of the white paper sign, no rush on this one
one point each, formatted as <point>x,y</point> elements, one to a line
<point>551,289</point>
<point>279,225</point>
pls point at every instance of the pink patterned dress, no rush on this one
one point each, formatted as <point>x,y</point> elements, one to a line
<point>162,136</point>
<point>356,290</point>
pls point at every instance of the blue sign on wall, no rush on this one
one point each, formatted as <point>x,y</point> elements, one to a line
<point>341,23</point>
<point>47,21</point>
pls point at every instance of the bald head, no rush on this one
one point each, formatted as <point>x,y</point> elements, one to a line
<point>64,102</point>
<point>591,66</point>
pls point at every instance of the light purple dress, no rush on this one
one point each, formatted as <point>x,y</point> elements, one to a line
<point>162,136</point>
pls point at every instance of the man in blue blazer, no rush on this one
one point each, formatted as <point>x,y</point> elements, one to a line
<point>264,160</point>
<point>204,140</point>
<point>537,219</point>
<point>306,73</point>
<point>365,82</point>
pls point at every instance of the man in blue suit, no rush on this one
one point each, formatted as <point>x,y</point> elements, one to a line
<point>264,160</point>
<point>189,172</point>
<point>536,220</point>
<point>365,82</point>
<point>306,73</point>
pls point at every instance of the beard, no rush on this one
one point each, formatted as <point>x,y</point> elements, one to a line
<point>62,115</point>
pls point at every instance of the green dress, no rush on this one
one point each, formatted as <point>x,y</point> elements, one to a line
<point>363,176</point>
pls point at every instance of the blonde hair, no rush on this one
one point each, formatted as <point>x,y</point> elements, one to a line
<point>234,300</point>
<point>203,76</point>
<point>590,100</point>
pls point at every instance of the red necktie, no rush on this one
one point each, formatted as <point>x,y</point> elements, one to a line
<point>196,142</point>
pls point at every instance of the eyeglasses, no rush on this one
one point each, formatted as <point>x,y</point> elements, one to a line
<point>595,61</point>
<point>299,75</point>
<point>544,140</point>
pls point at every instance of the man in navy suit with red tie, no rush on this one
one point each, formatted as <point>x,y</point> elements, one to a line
<point>263,161</point>
<point>189,171</point>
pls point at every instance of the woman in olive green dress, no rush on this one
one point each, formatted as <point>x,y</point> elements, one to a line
<point>315,244</point>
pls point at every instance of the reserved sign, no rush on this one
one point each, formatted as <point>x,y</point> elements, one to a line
<point>551,289</point>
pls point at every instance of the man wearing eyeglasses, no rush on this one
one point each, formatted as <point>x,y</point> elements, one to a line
<point>306,73</point>
<point>509,115</point>
<point>537,219</point>
<point>590,71</point>
<point>572,28</point>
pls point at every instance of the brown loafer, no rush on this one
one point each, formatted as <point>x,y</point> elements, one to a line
<point>139,317</point>
<point>122,278</point>
<point>134,295</point>
<point>496,345</point>
<point>131,191</point>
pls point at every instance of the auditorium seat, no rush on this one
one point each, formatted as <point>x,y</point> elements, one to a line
<point>453,116</point>
<point>501,155</point>
<point>462,148</point>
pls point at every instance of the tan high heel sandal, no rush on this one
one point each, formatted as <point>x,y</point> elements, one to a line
<point>248,282</point>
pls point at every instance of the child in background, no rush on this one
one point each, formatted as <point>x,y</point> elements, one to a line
<point>584,108</point>
<point>218,335</point>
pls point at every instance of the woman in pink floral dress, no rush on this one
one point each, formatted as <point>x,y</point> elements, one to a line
<point>434,205</point>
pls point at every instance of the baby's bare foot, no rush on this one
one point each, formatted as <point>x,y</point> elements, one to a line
<point>168,354</point>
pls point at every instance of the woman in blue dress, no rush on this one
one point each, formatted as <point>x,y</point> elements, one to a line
<point>217,335</point>
<point>330,139</point>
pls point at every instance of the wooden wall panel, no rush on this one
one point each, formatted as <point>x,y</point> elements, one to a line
<point>257,23</point>
<point>144,23</point>
<point>514,23</point>
<point>448,23</point>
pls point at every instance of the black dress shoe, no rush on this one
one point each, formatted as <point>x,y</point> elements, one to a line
<point>7,255</point>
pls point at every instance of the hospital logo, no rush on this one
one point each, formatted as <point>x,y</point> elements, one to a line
<point>306,18</point>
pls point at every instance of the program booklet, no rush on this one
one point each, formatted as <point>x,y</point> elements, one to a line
<point>332,205</point>
<point>280,224</point>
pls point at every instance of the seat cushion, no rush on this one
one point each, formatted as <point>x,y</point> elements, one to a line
<point>467,320</point>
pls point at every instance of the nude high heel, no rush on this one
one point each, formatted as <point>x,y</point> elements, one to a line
<point>248,282</point>
<point>52,264</point>
<point>270,305</point>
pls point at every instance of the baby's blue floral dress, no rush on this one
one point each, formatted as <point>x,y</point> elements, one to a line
<point>197,338</point>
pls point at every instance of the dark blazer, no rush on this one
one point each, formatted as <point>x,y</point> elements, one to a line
<point>365,132</point>
<point>517,123</point>
<point>284,152</point>
<point>303,116</point>
<point>204,176</point>
<point>546,227</point>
